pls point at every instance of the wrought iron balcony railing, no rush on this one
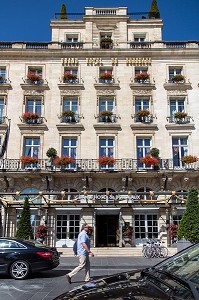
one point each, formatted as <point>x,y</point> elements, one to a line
<point>70,119</point>
<point>143,119</point>
<point>184,120</point>
<point>146,81</point>
<point>73,81</point>
<point>5,81</point>
<point>37,121</point>
<point>107,119</point>
<point>107,81</point>
<point>33,82</point>
<point>92,165</point>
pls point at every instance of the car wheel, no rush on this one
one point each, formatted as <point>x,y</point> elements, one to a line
<point>20,269</point>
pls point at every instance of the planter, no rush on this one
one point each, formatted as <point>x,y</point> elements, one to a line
<point>180,115</point>
<point>188,159</point>
<point>178,79</point>
<point>33,77</point>
<point>106,160</point>
<point>69,77</point>
<point>142,78</point>
<point>149,160</point>
<point>64,161</point>
<point>27,160</point>
<point>68,113</point>
<point>106,76</point>
<point>30,117</point>
<point>143,113</point>
<point>106,113</point>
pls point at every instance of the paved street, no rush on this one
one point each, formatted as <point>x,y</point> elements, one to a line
<point>48,285</point>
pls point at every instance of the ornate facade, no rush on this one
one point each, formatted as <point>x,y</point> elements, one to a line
<point>105,91</point>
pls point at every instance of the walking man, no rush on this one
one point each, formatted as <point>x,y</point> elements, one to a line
<point>83,251</point>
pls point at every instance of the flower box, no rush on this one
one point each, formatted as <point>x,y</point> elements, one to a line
<point>149,160</point>
<point>143,113</point>
<point>33,77</point>
<point>106,113</point>
<point>106,40</point>
<point>188,159</point>
<point>179,115</point>
<point>68,113</point>
<point>106,76</point>
<point>29,159</point>
<point>178,78</point>
<point>142,77</point>
<point>106,160</point>
<point>30,116</point>
<point>64,160</point>
<point>69,77</point>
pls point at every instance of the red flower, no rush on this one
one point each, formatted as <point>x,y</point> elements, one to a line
<point>188,159</point>
<point>149,160</point>
<point>29,159</point>
<point>64,160</point>
<point>33,77</point>
<point>106,160</point>
<point>173,230</point>
<point>30,116</point>
<point>41,231</point>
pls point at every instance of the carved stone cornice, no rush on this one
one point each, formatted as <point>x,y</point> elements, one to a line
<point>179,127</point>
<point>4,87</point>
<point>37,87</point>
<point>106,86</point>
<point>70,92</point>
<point>106,92</point>
<point>70,128</point>
<point>142,86</point>
<point>142,92</point>
<point>176,92</point>
<point>143,127</point>
<point>33,92</point>
<point>177,86</point>
<point>36,128</point>
<point>107,127</point>
<point>72,86</point>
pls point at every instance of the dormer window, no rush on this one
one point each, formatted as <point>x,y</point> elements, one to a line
<point>139,38</point>
<point>35,71</point>
<point>173,71</point>
<point>72,38</point>
<point>106,41</point>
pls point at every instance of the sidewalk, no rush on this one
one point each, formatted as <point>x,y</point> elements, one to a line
<point>128,262</point>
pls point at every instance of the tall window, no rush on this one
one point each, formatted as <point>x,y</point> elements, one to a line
<point>176,105</point>
<point>174,71</point>
<point>146,226</point>
<point>34,105</point>
<point>71,70</point>
<point>139,38</point>
<point>141,103</point>
<point>107,146</point>
<point>69,147</point>
<point>1,109</point>
<point>68,226</point>
<point>2,74</point>
<point>106,104</point>
<point>180,149</point>
<point>140,70</point>
<point>32,147</point>
<point>35,70</point>
<point>70,104</point>
<point>143,148</point>
<point>72,38</point>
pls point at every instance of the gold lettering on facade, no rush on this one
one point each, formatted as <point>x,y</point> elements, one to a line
<point>114,61</point>
<point>69,61</point>
<point>138,61</point>
<point>94,61</point>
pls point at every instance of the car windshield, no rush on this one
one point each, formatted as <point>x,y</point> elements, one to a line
<point>184,265</point>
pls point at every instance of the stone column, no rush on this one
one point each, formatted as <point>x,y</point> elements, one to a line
<point>163,225</point>
<point>88,214</point>
<point>11,222</point>
<point>51,225</point>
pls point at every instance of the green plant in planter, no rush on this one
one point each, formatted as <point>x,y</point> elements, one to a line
<point>33,77</point>
<point>106,113</point>
<point>24,228</point>
<point>188,159</point>
<point>68,113</point>
<point>143,113</point>
<point>178,78</point>
<point>51,153</point>
<point>189,224</point>
<point>106,76</point>
<point>155,152</point>
<point>69,76</point>
<point>142,77</point>
<point>106,40</point>
<point>179,115</point>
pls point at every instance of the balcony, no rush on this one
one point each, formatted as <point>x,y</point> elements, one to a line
<point>5,83</point>
<point>72,45</point>
<point>36,121</point>
<point>92,165</point>
<point>143,119</point>
<point>184,120</point>
<point>70,119</point>
<point>41,84</point>
<point>107,118</point>
<point>140,45</point>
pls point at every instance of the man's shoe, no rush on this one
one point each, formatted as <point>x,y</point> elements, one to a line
<point>68,278</point>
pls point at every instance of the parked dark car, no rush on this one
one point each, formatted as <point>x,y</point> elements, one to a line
<point>176,278</point>
<point>19,258</point>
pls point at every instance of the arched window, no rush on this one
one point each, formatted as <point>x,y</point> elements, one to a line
<point>31,190</point>
<point>145,190</point>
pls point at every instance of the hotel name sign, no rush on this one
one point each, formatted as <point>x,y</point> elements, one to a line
<point>97,61</point>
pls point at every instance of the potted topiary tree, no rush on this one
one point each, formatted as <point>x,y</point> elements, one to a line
<point>24,229</point>
<point>154,12</point>
<point>188,230</point>
<point>52,154</point>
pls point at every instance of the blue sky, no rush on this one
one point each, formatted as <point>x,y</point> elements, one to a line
<point>23,20</point>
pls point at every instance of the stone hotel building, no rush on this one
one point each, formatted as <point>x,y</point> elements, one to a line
<point>120,106</point>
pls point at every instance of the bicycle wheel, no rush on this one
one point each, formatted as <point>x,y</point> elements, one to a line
<point>150,252</point>
<point>163,251</point>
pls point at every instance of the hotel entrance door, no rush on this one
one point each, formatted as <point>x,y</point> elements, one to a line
<point>107,228</point>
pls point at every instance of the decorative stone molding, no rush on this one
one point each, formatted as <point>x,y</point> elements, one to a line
<point>34,93</point>
<point>70,92</point>
<point>71,86</point>
<point>176,92</point>
<point>106,92</point>
<point>142,92</point>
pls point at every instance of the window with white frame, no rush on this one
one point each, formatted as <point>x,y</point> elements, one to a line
<point>142,103</point>
<point>2,106</point>
<point>174,71</point>
<point>70,103</point>
<point>106,104</point>
<point>180,149</point>
<point>69,147</point>
<point>33,105</point>
<point>2,74</point>
<point>106,147</point>
<point>31,147</point>
<point>146,226</point>
<point>72,38</point>
<point>177,105</point>
<point>141,70</point>
<point>139,37</point>
<point>68,226</point>
<point>35,70</point>
<point>143,148</point>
